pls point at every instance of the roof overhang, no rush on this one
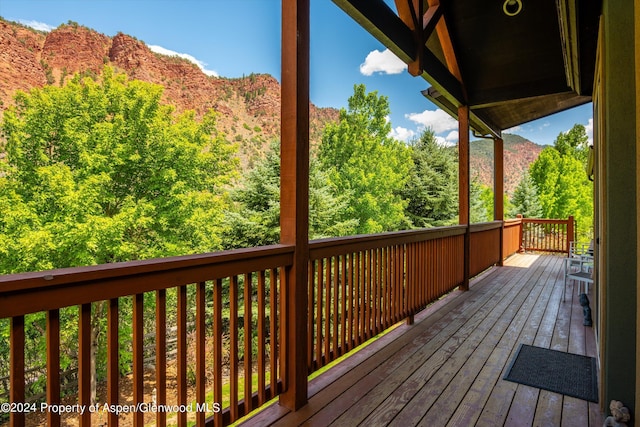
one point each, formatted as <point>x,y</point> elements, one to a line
<point>509,70</point>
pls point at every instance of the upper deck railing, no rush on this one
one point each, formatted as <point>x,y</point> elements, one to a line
<point>226,310</point>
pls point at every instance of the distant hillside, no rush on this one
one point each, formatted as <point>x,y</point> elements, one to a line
<point>519,153</point>
<point>249,107</point>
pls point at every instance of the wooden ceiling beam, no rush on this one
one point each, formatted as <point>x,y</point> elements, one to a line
<point>383,23</point>
<point>421,25</point>
<point>447,47</point>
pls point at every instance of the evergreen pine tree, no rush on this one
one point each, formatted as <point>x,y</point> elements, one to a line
<point>432,189</point>
<point>525,199</point>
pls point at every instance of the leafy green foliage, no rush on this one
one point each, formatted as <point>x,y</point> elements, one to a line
<point>563,187</point>
<point>101,172</point>
<point>480,203</point>
<point>431,191</point>
<point>365,164</point>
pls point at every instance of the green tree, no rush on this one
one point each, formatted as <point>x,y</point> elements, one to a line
<point>525,199</point>
<point>255,220</point>
<point>365,164</point>
<point>101,172</point>
<point>563,187</point>
<point>431,192</point>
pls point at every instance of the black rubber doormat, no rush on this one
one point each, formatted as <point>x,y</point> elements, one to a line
<point>565,373</point>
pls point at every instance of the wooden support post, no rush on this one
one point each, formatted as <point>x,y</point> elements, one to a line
<point>294,197</point>
<point>498,190</point>
<point>463,186</point>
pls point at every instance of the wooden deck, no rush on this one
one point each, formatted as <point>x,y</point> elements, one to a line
<point>446,369</point>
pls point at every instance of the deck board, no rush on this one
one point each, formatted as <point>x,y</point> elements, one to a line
<point>447,368</point>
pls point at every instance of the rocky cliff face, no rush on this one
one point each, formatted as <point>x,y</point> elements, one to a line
<point>519,153</point>
<point>20,66</point>
<point>248,107</point>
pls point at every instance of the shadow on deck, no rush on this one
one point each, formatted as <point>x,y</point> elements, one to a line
<point>447,368</point>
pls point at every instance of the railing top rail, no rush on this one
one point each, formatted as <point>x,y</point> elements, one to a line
<point>80,285</point>
<point>485,226</point>
<point>545,221</point>
<point>342,245</point>
<point>512,221</point>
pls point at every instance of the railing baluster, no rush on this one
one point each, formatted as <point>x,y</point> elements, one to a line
<point>391,274</point>
<point>16,370</point>
<point>397,279</point>
<point>182,353</point>
<point>248,351</point>
<point>274,336</point>
<point>311,304</point>
<point>343,305</point>
<point>233,352</point>
<point>388,287</point>
<point>376,290</point>
<point>409,282</point>
<point>53,365</point>
<point>401,276</point>
<point>352,301</point>
<point>368,292</point>
<point>217,348</point>
<point>200,350</point>
<point>319,313</point>
<point>161,355</point>
<point>381,288</point>
<point>262,339</point>
<point>113,358</point>
<point>358,298</point>
<point>336,300</point>
<point>138,357</point>
<point>84,362</point>
<point>327,312</point>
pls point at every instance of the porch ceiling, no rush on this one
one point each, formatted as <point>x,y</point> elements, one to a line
<point>508,69</point>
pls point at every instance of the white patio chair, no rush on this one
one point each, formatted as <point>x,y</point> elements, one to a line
<point>579,269</point>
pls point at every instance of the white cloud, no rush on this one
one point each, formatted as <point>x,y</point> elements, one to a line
<point>589,128</point>
<point>402,134</point>
<point>39,26</point>
<point>385,62</point>
<point>202,65</point>
<point>513,129</point>
<point>452,137</point>
<point>437,120</point>
<point>442,141</point>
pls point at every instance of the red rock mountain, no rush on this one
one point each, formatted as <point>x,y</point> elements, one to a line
<point>519,153</point>
<point>249,107</point>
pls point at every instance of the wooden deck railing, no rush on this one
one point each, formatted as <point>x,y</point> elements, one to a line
<point>227,282</point>
<point>547,235</point>
<point>227,307</point>
<point>360,286</point>
<point>512,237</point>
<point>484,245</point>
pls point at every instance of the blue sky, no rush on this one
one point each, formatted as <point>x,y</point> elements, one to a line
<point>231,38</point>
